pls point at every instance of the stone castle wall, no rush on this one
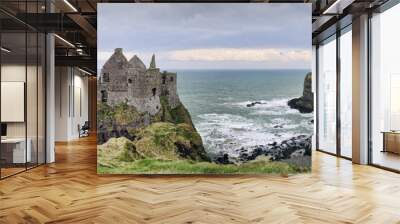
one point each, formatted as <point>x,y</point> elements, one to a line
<point>121,81</point>
<point>168,88</point>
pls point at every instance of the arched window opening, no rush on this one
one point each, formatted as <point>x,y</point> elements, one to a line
<point>104,96</point>
<point>106,77</point>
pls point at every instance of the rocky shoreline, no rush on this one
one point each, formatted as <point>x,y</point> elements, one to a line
<point>295,150</point>
<point>290,149</point>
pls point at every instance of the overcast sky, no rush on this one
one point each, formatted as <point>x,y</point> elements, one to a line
<point>208,36</point>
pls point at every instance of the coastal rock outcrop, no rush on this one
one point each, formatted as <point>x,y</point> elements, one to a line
<point>305,103</point>
<point>252,104</point>
<point>290,149</point>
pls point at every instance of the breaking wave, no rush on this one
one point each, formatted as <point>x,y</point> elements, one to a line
<point>228,132</point>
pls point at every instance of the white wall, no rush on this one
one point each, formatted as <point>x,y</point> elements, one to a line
<point>80,109</point>
<point>33,125</point>
<point>16,73</point>
<point>71,87</point>
<point>360,90</point>
<point>61,103</point>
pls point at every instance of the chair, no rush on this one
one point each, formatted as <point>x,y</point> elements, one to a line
<point>84,130</point>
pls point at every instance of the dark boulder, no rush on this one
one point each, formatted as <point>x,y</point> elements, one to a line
<point>102,134</point>
<point>252,104</point>
<point>223,158</point>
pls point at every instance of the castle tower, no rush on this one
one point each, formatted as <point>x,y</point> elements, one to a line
<point>136,64</point>
<point>168,88</point>
<point>136,79</point>
<point>113,78</point>
<point>117,61</point>
<point>153,62</point>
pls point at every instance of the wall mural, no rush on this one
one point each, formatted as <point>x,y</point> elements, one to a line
<point>204,88</point>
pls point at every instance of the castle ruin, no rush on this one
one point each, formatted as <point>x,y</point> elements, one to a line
<point>122,80</point>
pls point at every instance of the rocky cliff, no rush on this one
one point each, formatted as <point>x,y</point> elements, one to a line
<point>140,115</point>
<point>167,135</point>
<point>305,103</point>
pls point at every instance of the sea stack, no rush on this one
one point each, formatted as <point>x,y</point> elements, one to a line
<point>305,103</point>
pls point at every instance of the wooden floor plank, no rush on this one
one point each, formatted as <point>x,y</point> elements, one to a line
<point>70,191</point>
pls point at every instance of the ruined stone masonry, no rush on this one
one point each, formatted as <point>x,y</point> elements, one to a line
<point>122,80</point>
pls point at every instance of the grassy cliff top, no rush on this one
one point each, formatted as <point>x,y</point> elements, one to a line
<point>160,141</point>
<point>153,166</point>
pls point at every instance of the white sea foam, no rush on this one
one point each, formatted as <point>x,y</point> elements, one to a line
<point>225,132</point>
<point>228,132</point>
<point>274,107</point>
<point>276,102</point>
<point>276,112</point>
<point>307,115</point>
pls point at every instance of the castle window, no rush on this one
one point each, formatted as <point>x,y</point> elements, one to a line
<point>104,96</point>
<point>154,90</point>
<point>129,81</point>
<point>163,79</point>
<point>106,77</point>
<point>171,79</point>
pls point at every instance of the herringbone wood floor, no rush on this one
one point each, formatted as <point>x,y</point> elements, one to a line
<point>70,191</point>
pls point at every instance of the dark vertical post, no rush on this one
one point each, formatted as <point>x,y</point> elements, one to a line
<point>338,73</point>
<point>26,86</point>
<point>317,96</point>
<point>73,90</point>
<point>369,73</point>
<point>45,93</point>
<point>37,89</point>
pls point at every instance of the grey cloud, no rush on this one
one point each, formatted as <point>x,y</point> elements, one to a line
<point>163,27</point>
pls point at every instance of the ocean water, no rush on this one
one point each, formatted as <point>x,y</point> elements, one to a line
<point>216,100</point>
